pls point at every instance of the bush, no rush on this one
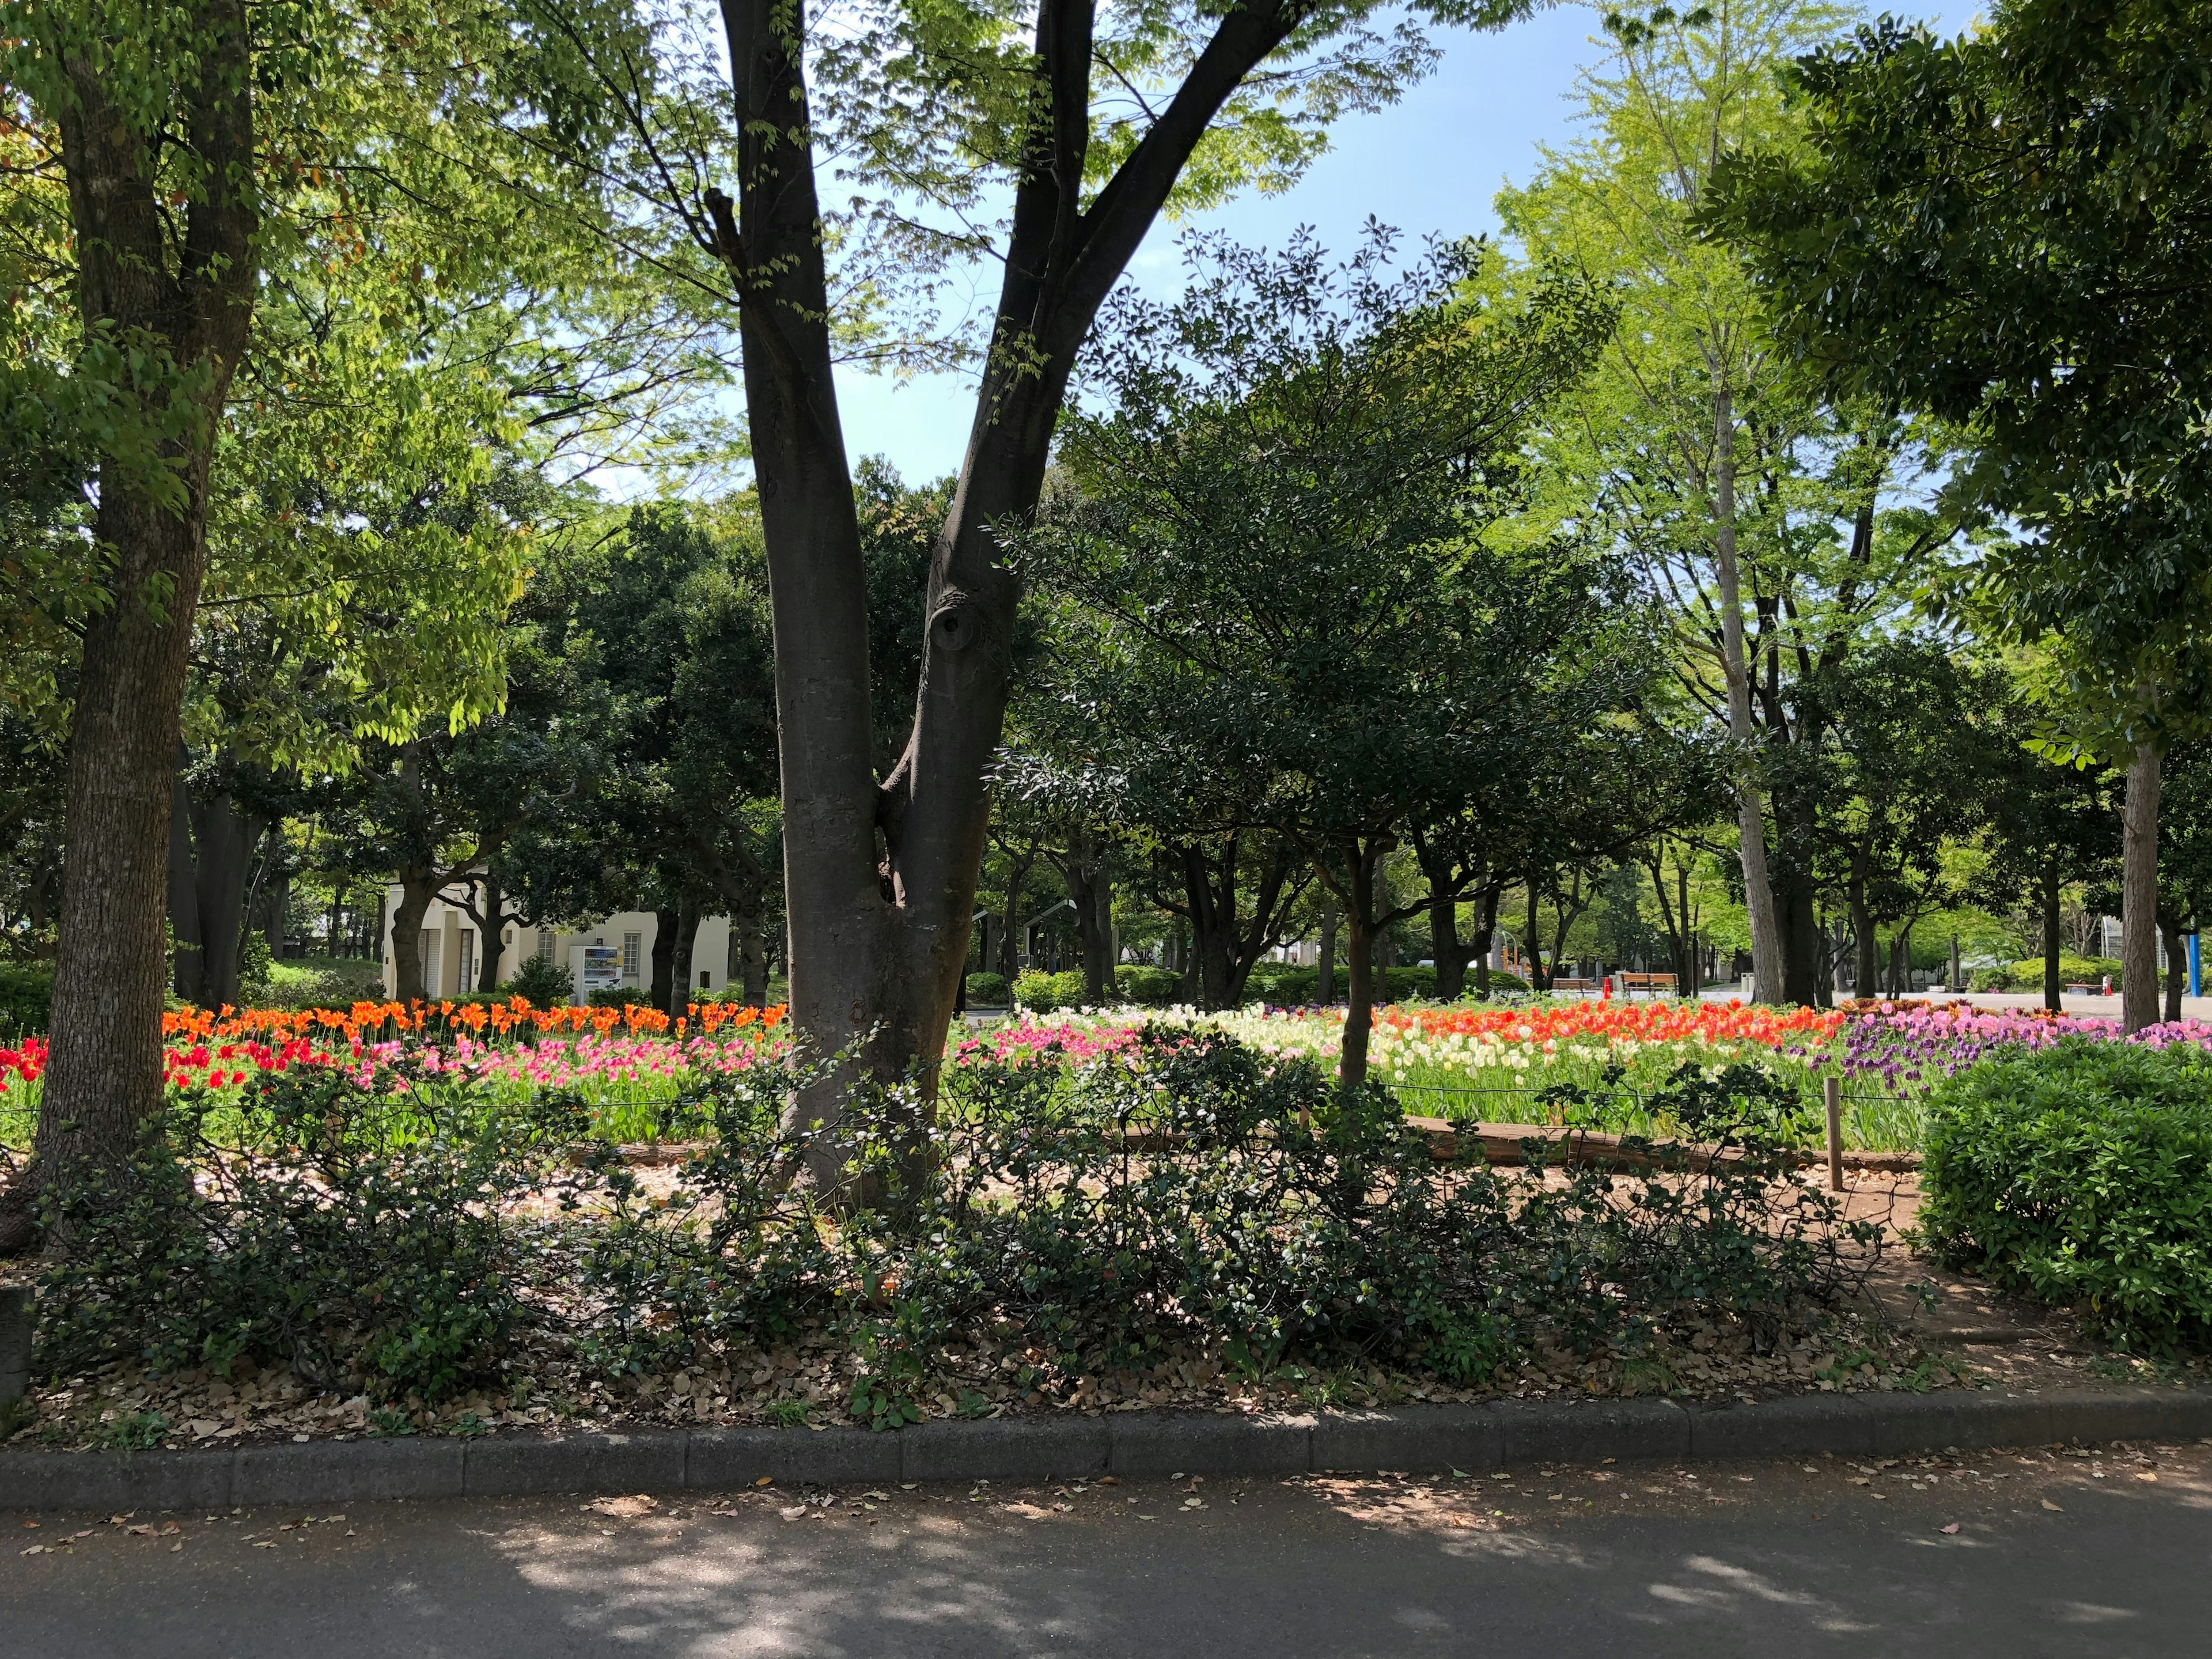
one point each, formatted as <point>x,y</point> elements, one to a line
<point>325,984</point>
<point>989,991</point>
<point>544,982</point>
<point>2028,976</point>
<point>2081,1174</point>
<point>1273,1219</point>
<point>356,1232</point>
<point>618,996</point>
<point>27,997</point>
<point>1147,987</point>
<point>1043,993</point>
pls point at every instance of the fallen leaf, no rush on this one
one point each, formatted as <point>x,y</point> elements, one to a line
<point>794,1513</point>
<point>2145,1474</point>
<point>174,1548</point>
<point>266,1544</point>
<point>36,1549</point>
<point>1949,1529</point>
<point>2052,1507</point>
<point>765,1480</point>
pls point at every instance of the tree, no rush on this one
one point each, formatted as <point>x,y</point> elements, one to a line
<point>1774,525</point>
<point>2008,230</point>
<point>661,624</point>
<point>1090,124</point>
<point>1287,520</point>
<point>258,237</point>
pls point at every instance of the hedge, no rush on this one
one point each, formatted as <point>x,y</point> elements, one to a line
<point>27,997</point>
<point>2082,1175</point>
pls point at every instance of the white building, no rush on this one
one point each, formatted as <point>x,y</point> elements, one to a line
<point>614,954</point>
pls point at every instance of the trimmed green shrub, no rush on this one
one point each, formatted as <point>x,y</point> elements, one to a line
<point>989,991</point>
<point>2081,1174</point>
<point>1148,987</point>
<point>618,996</point>
<point>27,997</point>
<point>1284,984</point>
<point>2028,976</point>
<point>546,982</point>
<point>1045,992</point>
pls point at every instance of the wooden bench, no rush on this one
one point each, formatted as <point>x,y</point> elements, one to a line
<point>1630,983</point>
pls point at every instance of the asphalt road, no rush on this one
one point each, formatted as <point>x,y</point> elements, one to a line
<point>2071,1556</point>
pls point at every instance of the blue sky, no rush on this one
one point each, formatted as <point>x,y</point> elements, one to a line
<point>1429,164</point>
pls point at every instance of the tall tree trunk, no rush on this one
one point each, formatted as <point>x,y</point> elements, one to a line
<point>665,927</point>
<point>1325,966</point>
<point>2139,894</point>
<point>190,941</point>
<point>1767,964</point>
<point>491,931</point>
<point>1485,937</point>
<point>1359,920</point>
<point>2176,967</point>
<point>276,911</point>
<point>2054,983</point>
<point>223,840</point>
<point>1445,949</point>
<point>1010,942</point>
<point>1538,979</point>
<point>679,956</point>
<point>417,887</point>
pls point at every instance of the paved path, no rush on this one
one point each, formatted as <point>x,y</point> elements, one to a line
<point>1702,1561</point>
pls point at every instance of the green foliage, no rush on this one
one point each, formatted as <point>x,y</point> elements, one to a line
<point>1275,1216</point>
<point>617,996</point>
<point>2027,975</point>
<point>543,982</point>
<point>356,1232</point>
<point>2078,1175</point>
<point>27,997</point>
<point>1045,992</point>
<point>1147,987</point>
<point>989,990</point>
<point>2006,229</point>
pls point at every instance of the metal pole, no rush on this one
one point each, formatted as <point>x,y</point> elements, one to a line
<point>2196,969</point>
<point>1832,1090</point>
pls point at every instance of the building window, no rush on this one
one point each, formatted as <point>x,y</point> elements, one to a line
<point>433,939</point>
<point>466,979</point>
<point>706,979</point>
<point>632,950</point>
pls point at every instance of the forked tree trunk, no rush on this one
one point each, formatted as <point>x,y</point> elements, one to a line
<point>189,298</point>
<point>2139,894</point>
<point>881,880</point>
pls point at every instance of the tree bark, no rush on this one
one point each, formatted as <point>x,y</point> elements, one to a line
<point>184,303</point>
<point>881,880</point>
<point>1360,861</point>
<point>223,840</point>
<point>417,887</point>
<point>1325,961</point>
<point>2054,983</point>
<point>190,974</point>
<point>2177,968</point>
<point>1485,938</point>
<point>679,958</point>
<point>1766,965</point>
<point>2139,893</point>
<point>666,924</point>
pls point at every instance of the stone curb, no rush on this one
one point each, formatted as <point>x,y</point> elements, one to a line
<point>1437,1438</point>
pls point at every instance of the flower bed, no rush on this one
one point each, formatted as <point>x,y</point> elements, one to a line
<point>625,1064</point>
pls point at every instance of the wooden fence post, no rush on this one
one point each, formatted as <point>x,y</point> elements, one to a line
<point>1832,1090</point>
